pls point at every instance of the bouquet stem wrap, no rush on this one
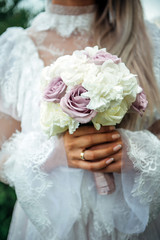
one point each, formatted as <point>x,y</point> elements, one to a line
<point>104,183</point>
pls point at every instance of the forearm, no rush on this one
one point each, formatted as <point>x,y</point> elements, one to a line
<point>8,126</point>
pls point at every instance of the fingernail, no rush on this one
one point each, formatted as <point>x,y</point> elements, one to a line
<point>115,136</point>
<point>112,128</point>
<point>109,160</point>
<point>116,148</point>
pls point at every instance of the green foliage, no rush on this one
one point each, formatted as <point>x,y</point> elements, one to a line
<point>11,15</point>
<point>7,200</point>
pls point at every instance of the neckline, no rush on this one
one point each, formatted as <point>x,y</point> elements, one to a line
<point>68,10</point>
<point>65,20</point>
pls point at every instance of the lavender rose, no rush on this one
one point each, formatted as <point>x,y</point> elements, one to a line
<point>55,90</point>
<point>141,103</point>
<point>102,56</point>
<point>76,106</point>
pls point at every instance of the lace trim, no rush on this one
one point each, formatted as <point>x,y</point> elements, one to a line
<point>64,25</point>
<point>143,150</point>
<point>31,183</point>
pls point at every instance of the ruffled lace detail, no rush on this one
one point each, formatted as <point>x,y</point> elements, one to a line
<point>25,172</point>
<point>65,25</point>
<point>143,151</point>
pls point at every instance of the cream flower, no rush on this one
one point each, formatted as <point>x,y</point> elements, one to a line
<point>71,69</point>
<point>92,51</point>
<point>111,116</point>
<point>45,78</point>
<point>110,86</point>
<point>55,121</point>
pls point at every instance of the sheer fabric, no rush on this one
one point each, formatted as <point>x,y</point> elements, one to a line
<point>61,30</point>
<point>54,201</point>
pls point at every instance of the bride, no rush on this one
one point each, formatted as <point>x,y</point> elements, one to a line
<point>57,198</point>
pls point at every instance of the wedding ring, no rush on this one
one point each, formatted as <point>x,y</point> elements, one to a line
<point>82,156</point>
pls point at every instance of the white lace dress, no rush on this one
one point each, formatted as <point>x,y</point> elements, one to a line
<point>56,202</point>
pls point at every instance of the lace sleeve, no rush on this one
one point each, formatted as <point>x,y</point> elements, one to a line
<point>18,63</point>
<point>140,173</point>
<point>32,169</point>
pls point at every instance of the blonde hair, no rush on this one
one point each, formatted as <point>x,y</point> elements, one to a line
<point>121,29</point>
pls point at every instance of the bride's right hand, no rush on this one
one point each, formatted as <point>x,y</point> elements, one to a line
<point>99,147</point>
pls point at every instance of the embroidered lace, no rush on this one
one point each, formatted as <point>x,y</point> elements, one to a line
<point>61,30</point>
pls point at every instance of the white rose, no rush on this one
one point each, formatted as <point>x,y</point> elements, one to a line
<point>71,68</point>
<point>45,78</point>
<point>111,116</point>
<point>54,120</point>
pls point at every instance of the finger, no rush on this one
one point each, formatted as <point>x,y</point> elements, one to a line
<point>116,167</point>
<point>94,155</point>
<point>113,167</point>
<point>104,145</point>
<point>92,166</point>
<point>85,130</point>
<point>117,156</point>
<point>95,139</point>
<point>81,143</point>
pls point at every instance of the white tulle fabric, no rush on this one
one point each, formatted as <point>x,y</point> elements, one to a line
<point>56,202</point>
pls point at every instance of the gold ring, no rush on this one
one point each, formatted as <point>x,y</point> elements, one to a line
<point>82,155</point>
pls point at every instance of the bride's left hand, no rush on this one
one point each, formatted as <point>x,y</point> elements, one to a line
<point>102,149</point>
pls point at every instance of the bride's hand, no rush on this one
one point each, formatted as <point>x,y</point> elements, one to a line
<point>102,149</point>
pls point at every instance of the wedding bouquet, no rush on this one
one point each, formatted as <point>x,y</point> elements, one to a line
<point>90,85</point>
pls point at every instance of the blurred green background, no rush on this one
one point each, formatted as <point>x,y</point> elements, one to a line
<point>11,14</point>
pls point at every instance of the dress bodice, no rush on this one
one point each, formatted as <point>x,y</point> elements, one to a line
<point>62,29</point>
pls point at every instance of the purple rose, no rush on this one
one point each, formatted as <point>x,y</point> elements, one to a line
<point>55,90</point>
<point>76,106</point>
<point>102,56</point>
<point>141,103</point>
